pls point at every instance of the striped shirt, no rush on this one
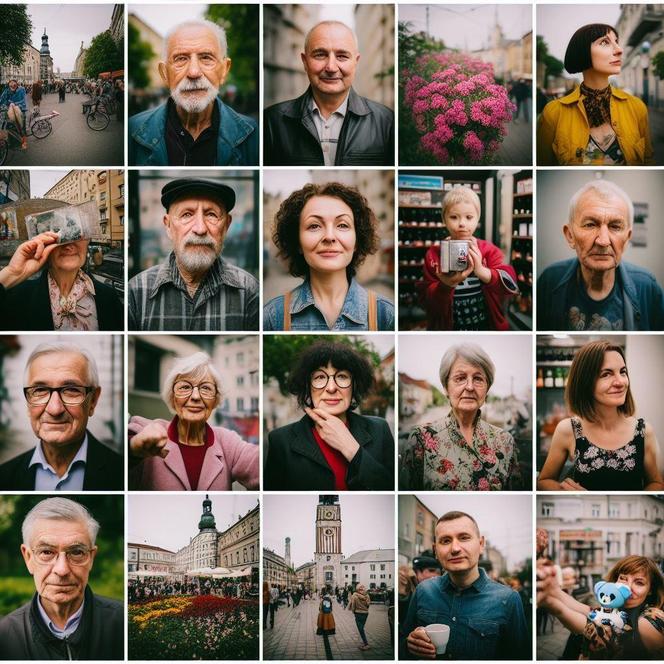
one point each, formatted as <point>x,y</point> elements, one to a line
<point>227,299</point>
<point>329,130</point>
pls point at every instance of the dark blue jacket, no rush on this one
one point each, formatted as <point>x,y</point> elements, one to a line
<point>643,298</point>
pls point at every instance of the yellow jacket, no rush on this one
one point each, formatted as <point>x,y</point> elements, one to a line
<point>563,131</point>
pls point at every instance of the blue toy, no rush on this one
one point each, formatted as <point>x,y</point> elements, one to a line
<point>612,597</point>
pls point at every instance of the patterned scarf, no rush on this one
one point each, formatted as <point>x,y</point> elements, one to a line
<point>76,311</point>
<point>597,104</point>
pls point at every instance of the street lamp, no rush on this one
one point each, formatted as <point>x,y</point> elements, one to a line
<point>645,66</point>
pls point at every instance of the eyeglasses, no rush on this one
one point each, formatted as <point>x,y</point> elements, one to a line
<point>184,389</point>
<point>47,555</point>
<point>70,395</point>
<point>320,379</point>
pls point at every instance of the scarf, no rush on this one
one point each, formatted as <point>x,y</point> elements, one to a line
<point>597,104</point>
<point>76,311</point>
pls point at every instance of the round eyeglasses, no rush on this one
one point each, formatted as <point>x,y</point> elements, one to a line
<point>320,379</point>
<point>48,555</point>
<point>183,388</point>
<point>70,395</point>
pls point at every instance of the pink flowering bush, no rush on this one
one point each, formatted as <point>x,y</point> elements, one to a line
<point>456,108</point>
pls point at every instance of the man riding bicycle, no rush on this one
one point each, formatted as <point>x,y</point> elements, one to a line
<point>13,96</point>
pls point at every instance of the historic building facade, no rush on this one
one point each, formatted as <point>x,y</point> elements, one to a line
<point>327,555</point>
<point>145,557</point>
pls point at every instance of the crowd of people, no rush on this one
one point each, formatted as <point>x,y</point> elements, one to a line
<point>152,587</point>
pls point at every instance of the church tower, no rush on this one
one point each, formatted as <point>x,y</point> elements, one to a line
<point>205,543</point>
<point>45,60</point>
<point>328,554</point>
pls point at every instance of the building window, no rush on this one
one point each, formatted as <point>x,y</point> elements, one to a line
<point>121,189</point>
<point>121,220</point>
<point>382,568</point>
<point>239,381</point>
<point>102,215</point>
<point>614,512</point>
<point>547,509</point>
<point>420,519</point>
<point>239,358</point>
<point>254,404</point>
<point>595,510</point>
<point>372,567</point>
<point>240,404</point>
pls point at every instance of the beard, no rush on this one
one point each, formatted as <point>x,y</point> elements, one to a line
<point>197,253</point>
<point>194,104</point>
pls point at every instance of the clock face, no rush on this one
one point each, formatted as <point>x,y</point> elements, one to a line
<point>328,531</point>
<point>329,514</point>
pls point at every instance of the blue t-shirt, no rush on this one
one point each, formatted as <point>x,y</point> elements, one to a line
<point>584,313</point>
<point>16,97</point>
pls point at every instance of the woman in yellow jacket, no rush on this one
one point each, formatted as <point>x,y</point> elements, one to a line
<point>596,124</point>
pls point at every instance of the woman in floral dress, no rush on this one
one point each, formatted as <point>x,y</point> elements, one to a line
<point>461,452</point>
<point>610,449</point>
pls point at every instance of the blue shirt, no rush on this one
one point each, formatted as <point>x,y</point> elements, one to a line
<point>46,479</point>
<point>70,626</point>
<point>17,97</point>
<point>486,619</point>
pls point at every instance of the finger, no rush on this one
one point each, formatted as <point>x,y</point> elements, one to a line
<point>312,414</point>
<point>48,249</point>
<point>324,415</point>
<point>164,453</point>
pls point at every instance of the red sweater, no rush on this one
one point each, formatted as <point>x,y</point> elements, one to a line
<point>335,459</point>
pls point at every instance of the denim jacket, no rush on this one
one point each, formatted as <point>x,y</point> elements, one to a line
<point>643,298</point>
<point>486,620</point>
<point>305,315</point>
<point>237,144</point>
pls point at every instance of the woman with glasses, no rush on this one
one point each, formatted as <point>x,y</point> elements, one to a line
<point>331,447</point>
<point>187,453</point>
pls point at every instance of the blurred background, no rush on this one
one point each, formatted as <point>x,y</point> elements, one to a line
<point>148,242</point>
<point>107,423</point>
<point>107,576</point>
<point>149,24</point>
<point>377,271</point>
<point>285,27</point>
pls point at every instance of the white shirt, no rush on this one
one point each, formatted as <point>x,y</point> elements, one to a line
<point>329,130</point>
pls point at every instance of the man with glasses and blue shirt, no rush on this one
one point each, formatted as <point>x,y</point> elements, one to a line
<point>64,620</point>
<point>61,387</point>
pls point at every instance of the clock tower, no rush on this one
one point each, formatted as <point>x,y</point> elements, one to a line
<point>328,554</point>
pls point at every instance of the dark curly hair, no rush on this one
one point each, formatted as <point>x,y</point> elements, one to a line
<point>577,55</point>
<point>342,357</point>
<point>286,228</point>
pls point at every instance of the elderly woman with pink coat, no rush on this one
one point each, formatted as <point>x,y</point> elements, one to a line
<point>187,454</point>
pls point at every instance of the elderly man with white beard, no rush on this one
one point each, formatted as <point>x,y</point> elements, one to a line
<point>195,289</point>
<point>194,127</point>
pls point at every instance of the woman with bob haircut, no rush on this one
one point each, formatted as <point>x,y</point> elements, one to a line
<point>331,447</point>
<point>609,448</point>
<point>187,454</point>
<point>325,231</point>
<point>462,452</point>
<point>642,636</point>
<point>596,124</point>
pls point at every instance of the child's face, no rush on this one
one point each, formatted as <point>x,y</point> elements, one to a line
<point>461,220</point>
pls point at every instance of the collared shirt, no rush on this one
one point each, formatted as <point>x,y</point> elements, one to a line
<point>227,299</point>
<point>486,620</point>
<point>329,130</point>
<point>46,479</point>
<point>76,311</point>
<point>70,626</point>
<point>183,149</point>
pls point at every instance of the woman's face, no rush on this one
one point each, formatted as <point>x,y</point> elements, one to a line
<point>330,397</point>
<point>606,55</point>
<point>466,386</point>
<point>69,257</point>
<point>639,584</point>
<point>327,234</point>
<point>194,406</point>
<point>612,382</point>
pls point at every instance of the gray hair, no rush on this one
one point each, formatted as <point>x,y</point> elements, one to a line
<point>59,509</point>
<point>193,366</point>
<point>472,354</point>
<point>605,190</point>
<point>215,28</point>
<point>92,377</point>
<point>330,22</point>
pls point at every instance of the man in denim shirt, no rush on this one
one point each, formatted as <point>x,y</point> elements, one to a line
<point>486,619</point>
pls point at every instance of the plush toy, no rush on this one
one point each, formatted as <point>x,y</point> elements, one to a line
<point>612,597</point>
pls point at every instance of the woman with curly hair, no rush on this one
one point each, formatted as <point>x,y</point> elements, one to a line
<point>331,447</point>
<point>324,232</point>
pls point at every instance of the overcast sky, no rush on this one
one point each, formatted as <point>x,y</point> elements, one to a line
<point>468,27</point>
<point>67,26</point>
<point>42,181</point>
<point>367,522</point>
<point>168,520</point>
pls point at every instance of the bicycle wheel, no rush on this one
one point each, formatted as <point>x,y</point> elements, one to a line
<point>41,128</point>
<point>97,120</point>
<point>4,150</point>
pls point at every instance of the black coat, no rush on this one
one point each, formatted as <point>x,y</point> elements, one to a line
<point>104,470</point>
<point>27,306</point>
<point>296,463</point>
<point>290,137</point>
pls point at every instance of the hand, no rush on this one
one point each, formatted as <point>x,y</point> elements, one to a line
<point>334,432</point>
<point>407,580</point>
<point>481,272</point>
<point>419,644</point>
<point>28,259</point>
<point>568,484</point>
<point>453,279</point>
<point>547,583</point>
<point>149,442</point>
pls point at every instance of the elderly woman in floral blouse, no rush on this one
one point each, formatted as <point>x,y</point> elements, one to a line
<point>461,452</point>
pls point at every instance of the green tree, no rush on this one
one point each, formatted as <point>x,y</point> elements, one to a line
<point>658,64</point>
<point>552,66</point>
<point>139,55</point>
<point>413,45</point>
<point>104,54</point>
<point>15,33</point>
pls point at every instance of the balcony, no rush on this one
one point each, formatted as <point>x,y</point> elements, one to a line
<point>650,19</point>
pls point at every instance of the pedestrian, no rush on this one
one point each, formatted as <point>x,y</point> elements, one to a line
<point>274,604</point>
<point>344,597</point>
<point>119,99</point>
<point>359,605</point>
<point>266,602</point>
<point>325,623</point>
<point>61,93</point>
<point>36,94</point>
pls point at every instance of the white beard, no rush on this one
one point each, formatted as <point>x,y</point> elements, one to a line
<point>197,260</point>
<point>194,104</point>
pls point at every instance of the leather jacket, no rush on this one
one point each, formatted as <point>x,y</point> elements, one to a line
<point>291,139</point>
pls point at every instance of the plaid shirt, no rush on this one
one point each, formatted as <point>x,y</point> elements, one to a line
<point>227,299</point>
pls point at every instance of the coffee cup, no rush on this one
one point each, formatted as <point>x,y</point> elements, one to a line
<point>439,635</point>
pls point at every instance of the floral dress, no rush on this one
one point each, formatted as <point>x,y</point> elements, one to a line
<point>598,469</point>
<point>439,458</point>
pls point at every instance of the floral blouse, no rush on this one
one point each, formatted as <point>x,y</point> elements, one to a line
<point>438,457</point>
<point>78,310</point>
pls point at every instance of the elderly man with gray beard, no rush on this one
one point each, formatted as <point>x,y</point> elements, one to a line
<point>194,127</point>
<point>195,288</point>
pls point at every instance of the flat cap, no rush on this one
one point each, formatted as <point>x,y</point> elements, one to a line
<point>181,187</point>
<point>426,562</point>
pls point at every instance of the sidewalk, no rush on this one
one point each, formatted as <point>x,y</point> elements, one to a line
<point>657,133</point>
<point>517,148</point>
<point>550,646</point>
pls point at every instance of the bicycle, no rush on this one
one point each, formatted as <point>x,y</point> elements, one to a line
<point>37,125</point>
<point>95,117</point>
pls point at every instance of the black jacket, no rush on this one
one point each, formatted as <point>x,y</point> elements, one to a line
<point>99,635</point>
<point>296,463</point>
<point>104,470</point>
<point>290,137</point>
<point>27,306</point>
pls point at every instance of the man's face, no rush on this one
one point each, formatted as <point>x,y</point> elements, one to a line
<point>600,231</point>
<point>13,85</point>
<point>59,581</point>
<point>458,545</point>
<point>197,227</point>
<point>427,573</point>
<point>195,68</point>
<point>330,59</point>
<point>54,422</point>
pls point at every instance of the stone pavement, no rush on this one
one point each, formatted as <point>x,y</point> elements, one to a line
<point>550,645</point>
<point>517,147</point>
<point>294,634</point>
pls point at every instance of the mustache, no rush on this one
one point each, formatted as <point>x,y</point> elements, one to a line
<point>187,85</point>
<point>199,241</point>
